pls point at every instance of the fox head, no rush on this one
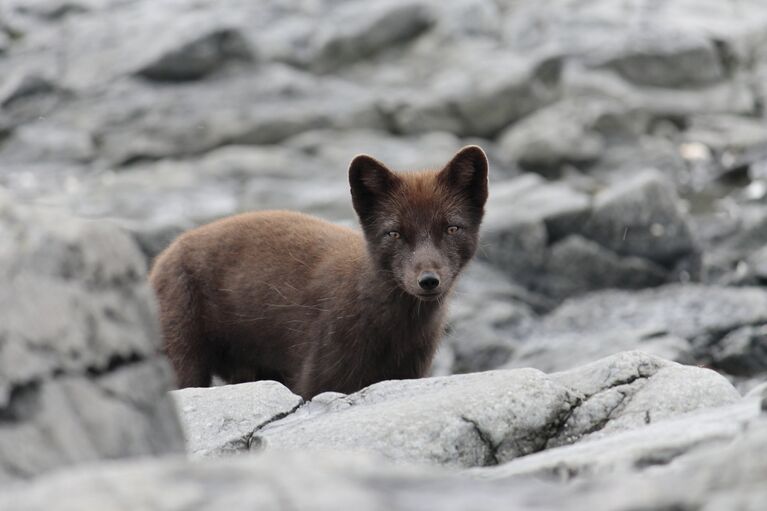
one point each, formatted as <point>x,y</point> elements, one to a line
<point>423,227</point>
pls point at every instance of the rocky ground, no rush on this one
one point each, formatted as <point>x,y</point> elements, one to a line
<point>617,309</point>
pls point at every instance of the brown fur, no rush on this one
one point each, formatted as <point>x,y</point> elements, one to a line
<point>284,296</point>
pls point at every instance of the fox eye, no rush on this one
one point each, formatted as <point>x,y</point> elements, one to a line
<point>453,229</point>
<point>393,234</point>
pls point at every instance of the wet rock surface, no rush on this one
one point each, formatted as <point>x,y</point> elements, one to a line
<point>625,235</point>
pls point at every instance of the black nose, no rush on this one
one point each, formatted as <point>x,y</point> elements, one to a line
<point>428,280</point>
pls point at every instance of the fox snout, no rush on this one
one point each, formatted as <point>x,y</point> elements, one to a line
<point>428,277</point>
<point>428,280</point>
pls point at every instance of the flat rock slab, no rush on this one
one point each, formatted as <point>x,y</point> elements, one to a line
<point>221,419</point>
<point>467,420</point>
<point>463,420</point>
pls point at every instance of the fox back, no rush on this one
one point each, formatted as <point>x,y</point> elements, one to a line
<point>285,296</point>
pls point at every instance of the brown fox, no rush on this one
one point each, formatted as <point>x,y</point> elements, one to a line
<point>284,296</point>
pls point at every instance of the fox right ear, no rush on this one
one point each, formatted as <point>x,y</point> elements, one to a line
<point>369,180</point>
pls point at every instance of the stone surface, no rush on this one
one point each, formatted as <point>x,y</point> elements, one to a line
<point>80,377</point>
<point>194,59</point>
<point>164,114</point>
<point>477,419</point>
<point>725,472</point>
<point>642,218</point>
<point>575,266</point>
<point>680,322</point>
<point>636,449</point>
<point>443,420</point>
<point>220,420</point>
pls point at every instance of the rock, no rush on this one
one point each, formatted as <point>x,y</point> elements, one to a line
<point>459,421</point>
<point>631,389</point>
<point>220,420</point>
<point>623,160</point>
<point>570,131</point>
<point>735,256</point>
<point>532,231</point>
<point>21,85</point>
<point>664,58</point>
<point>194,59</point>
<point>728,476</point>
<point>726,132</point>
<point>474,96</point>
<point>80,375</point>
<point>742,352</point>
<point>656,445</point>
<point>484,305</point>
<point>576,266</point>
<point>45,142</point>
<point>716,452</point>
<point>642,218</point>
<point>358,32</point>
<point>680,322</point>
<point>523,216</point>
<point>466,420</point>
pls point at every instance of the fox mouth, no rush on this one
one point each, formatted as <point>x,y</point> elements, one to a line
<point>429,296</point>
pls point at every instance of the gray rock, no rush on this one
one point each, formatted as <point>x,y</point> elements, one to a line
<point>642,218</point>
<point>742,352</point>
<point>715,453</point>
<point>729,476</point>
<point>561,208</point>
<point>724,132</point>
<point>679,322</point>
<point>194,59</point>
<point>734,257</point>
<point>523,216</point>
<point>483,306</point>
<point>576,266</point>
<point>467,420</point>
<point>463,420</point>
<point>667,58</point>
<point>574,130</point>
<point>220,420</point>
<point>358,32</point>
<point>471,94</point>
<point>658,444</point>
<point>632,389</point>
<point>80,376</point>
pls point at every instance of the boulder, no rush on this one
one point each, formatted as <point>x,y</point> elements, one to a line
<point>656,445</point>
<point>477,419</point>
<point>220,420</point>
<point>574,130</point>
<point>80,374</point>
<point>642,218</point>
<point>459,421</point>
<point>575,266</point>
<point>523,216</point>
<point>680,322</point>
<point>667,58</point>
<point>196,58</point>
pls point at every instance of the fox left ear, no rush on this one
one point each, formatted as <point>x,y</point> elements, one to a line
<point>370,181</point>
<point>467,173</point>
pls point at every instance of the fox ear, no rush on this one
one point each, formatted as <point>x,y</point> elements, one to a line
<point>370,180</point>
<point>467,174</point>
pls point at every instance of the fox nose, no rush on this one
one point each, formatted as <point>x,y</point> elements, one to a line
<point>428,280</point>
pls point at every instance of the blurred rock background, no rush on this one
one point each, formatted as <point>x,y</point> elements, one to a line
<point>628,211</point>
<point>627,139</point>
